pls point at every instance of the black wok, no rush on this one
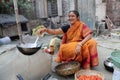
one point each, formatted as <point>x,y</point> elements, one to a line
<point>28,48</point>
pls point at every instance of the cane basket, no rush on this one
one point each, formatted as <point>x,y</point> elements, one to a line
<point>68,68</point>
<point>88,73</point>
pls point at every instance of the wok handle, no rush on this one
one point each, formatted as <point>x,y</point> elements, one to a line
<point>41,45</point>
<point>36,40</point>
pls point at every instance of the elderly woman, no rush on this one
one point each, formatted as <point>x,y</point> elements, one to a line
<point>77,44</point>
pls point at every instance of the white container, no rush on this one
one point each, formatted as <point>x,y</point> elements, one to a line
<point>115,36</point>
<point>116,74</point>
<point>5,40</point>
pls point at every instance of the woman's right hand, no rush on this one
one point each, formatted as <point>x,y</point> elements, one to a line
<point>78,49</point>
<point>42,30</point>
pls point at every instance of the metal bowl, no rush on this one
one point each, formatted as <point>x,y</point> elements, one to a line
<point>68,68</point>
<point>28,48</point>
<point>108,64</point>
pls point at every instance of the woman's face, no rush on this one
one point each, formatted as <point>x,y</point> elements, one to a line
<point>72,18</point>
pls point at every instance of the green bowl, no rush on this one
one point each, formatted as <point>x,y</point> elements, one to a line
<point>115,56</point>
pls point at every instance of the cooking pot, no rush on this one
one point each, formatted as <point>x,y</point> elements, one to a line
<point>108,64</point>
<point>28,48</point>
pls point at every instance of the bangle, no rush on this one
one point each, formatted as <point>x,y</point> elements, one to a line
<point>79,44</point>
<point>46,30</point>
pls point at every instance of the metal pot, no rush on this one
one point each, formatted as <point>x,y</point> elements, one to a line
<point>108,64</point>
<point>28,48</point>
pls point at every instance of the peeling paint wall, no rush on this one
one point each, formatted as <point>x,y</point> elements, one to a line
<point>86,9</point>
<point>113,11</point>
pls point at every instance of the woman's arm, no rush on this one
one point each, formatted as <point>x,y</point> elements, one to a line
<point>85,39</point>
<point>55,31</point>
<point>78,48</point>
<point>51,31</point>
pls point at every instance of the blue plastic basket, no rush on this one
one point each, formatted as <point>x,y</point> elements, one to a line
<point>115,56</point>
<point>1,43</point>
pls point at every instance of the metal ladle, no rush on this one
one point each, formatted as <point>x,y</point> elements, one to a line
<point>35,43</point>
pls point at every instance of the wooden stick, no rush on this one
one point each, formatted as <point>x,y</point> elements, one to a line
<point>109,23</point>
<point>18,21</point>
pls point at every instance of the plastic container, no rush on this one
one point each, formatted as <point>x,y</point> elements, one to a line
<point>116,73</point>
<point>115,57</point>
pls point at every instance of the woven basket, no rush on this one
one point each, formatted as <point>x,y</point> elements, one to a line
<point>68,68</point>
<point>88,73</point>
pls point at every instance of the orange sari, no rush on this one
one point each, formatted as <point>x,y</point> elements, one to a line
<point>88,55</point>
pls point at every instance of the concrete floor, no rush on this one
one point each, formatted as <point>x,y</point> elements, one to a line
<point>35,67</point>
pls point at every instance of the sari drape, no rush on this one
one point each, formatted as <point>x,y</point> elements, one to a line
<point>88,55</point>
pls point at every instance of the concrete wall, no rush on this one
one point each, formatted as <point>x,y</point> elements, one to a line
<point>86,9</point>
<point>100,10</point>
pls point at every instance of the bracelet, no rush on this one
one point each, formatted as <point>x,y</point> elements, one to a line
<point>46,30</point>
<point>79,44</point>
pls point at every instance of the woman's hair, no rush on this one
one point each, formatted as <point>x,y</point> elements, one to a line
<point>75,12</point>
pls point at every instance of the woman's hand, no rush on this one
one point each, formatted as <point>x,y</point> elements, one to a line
<point>42,30</point>
<point>78,49</point>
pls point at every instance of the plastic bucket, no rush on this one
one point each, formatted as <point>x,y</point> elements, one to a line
<point>5,40</point>
<point>116,74</point>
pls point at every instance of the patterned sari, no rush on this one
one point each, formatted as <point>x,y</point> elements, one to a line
<point>88,56</point>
